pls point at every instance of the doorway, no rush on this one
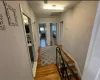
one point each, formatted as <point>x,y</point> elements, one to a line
<point>42,34</point>
<point>53,33</point>
<point>61,32</point>
<point>29,36</point>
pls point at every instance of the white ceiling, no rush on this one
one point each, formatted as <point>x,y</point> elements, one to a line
<point>37,7</point>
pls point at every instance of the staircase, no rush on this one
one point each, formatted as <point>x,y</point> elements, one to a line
<point>66,66</point>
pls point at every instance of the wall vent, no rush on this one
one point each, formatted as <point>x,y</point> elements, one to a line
<point>55,13</point>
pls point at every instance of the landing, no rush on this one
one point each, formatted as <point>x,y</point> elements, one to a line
<point>49,72</point>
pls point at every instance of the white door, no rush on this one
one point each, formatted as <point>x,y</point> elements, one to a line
<point>61,32</point>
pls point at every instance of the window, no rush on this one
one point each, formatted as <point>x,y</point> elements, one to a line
<point>41,28</point>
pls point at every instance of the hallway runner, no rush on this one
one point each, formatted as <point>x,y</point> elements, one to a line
<point>48,55</point>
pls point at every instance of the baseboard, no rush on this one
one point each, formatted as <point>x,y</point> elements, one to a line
<point>34,68</point>
<point>76,65</point>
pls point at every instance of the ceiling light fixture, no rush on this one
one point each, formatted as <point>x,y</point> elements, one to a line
<point>54,7</point>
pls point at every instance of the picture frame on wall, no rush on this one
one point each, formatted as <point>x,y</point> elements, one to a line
<point>11,14</point>
<point>2,26</point>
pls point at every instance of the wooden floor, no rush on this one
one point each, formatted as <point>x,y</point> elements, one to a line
<point>49,72</point>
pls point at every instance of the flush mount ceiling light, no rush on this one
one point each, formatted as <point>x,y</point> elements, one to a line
<point>53,7</point>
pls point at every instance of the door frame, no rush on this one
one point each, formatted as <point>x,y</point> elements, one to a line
<point>61,32</point>
<point>51,32</point>
<point>21,12</point>
<point>45,32</point>
<point>32,39</point>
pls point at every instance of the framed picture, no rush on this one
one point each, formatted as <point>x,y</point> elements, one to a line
<point>2,26</point>
<point>11,14</point>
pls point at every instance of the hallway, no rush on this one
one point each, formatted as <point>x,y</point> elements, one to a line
<point>49,40</point>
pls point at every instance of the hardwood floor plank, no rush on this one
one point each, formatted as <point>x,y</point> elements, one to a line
<point>49,72</point>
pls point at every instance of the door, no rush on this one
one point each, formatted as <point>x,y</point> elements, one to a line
<point>42,35</point>
<point>29,35</point>
<point>53,33</point>
<point>32,48</point>
<point>61,32</point>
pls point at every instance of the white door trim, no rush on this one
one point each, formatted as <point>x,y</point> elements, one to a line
<point>21,12</point>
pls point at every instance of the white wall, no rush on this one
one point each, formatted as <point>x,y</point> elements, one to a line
<point>78,22</point>
<point>14,57</point>
<point>47,21</point>
<point>92,65</point>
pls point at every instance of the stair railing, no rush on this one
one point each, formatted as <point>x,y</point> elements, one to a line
<point>63,65</point>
